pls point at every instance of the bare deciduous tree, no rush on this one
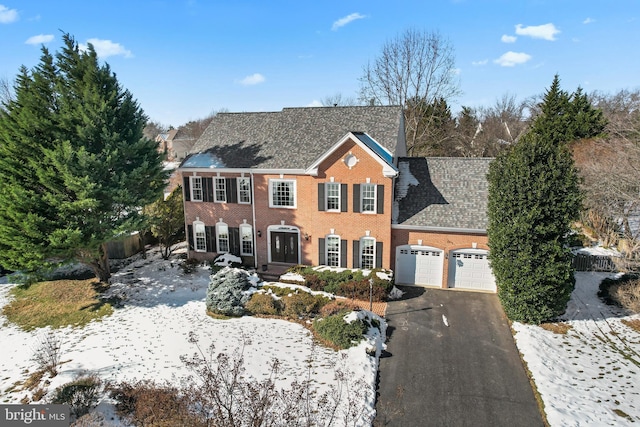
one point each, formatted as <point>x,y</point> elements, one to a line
<point>337,100</point>
<point>6,91</point>
<point>416,65</point>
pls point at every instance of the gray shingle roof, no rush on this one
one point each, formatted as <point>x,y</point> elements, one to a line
<point>442,192</point>
<point>295,137</point>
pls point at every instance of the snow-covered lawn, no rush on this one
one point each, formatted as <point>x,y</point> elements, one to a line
<point>590,375</point>
<point>146,337</point>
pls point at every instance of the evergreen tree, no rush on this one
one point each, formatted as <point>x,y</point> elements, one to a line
<point>74,165</point>
<point>534,198</point>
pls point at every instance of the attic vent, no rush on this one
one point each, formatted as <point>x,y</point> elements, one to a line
<point>350,160</point>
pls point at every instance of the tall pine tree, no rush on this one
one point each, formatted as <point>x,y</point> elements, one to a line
<point>534,198</point>
<point>75,168</point>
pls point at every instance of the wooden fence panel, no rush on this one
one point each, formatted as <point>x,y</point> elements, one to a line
<point>584,262</point>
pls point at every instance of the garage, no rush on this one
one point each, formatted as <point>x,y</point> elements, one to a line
<point>419,265</point>
<point>469,269</point>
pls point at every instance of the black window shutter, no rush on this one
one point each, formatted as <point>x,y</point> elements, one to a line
<point>234,240</point>
<point>378,255</point>
<point>231,186</point>
<point>380,199</point>
<point>343,253</point>
<point>356,197</point>
<point>321,255</point>
<point>343,197</point>
<point>207,189</point>
<point>190,237</point>
<point>356,254</point>
<point>321,203</point>
<point>210,238</point>
<point>187,189</point>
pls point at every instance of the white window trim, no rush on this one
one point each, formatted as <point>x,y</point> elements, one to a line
<point>375,198</point>
<point>238,181</point>
<point>215,190</point>
<point>193,179</point>
<point>295,195</point>
<point>242,239</point>
<point>326,249</point>
<point>196,225</point>
<point>362,240</point>
<point>220,225</point>
<point>326,196</point>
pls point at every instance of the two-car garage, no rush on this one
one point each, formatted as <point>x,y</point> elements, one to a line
<point>468,268</point>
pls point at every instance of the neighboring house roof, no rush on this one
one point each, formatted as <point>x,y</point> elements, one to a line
<point>293,138</point>
<point>442,193</point>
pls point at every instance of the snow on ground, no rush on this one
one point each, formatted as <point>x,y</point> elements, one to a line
<point>590,375</point>
<point>145,338</point>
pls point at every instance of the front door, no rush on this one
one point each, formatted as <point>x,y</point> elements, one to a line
<point>284,247</point>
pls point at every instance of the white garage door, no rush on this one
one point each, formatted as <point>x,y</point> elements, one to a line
<point>419,265</point>
<point>469,269</point>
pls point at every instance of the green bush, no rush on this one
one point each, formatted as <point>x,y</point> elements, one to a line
<point>261,303</point>
<point>338,332</point>
<point>81,395</point>
<point>302,305</point>
<point>360,290</point>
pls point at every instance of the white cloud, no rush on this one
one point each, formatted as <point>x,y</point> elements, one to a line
<point>40,39</point>
<point>106,48</point>
<point>314,103</point>
<point>483,62</point>
<point>588,21</point>
<point>347,19</point>
<point>545,31</point>
<point>508,39</point>
<point>253,79</point>
<point>511,59</point>
<point>7,15</point>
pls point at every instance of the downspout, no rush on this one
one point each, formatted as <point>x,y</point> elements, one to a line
<point>253,213</point>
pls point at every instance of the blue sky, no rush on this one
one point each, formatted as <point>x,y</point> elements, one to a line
<point>183,59</point>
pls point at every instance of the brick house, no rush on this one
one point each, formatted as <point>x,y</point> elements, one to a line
<point>333,186</point>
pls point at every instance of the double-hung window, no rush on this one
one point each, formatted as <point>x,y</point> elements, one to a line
<point>196,188</point>
<point>368,198</point>
<point>367,252</point>
<point>333,251</point>
<point>332,191</point>
<point>199,236</point>
<point>222,237</point>
<point>220,194</point>
<point>282,193</point>
<point>244,190</point>
<point>246,240</point>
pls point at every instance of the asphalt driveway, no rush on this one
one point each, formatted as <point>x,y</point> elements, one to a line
<point>451,361</point>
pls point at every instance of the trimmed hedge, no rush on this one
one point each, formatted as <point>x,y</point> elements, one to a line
<point>342,334</point>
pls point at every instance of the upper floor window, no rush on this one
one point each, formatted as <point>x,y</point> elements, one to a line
<point>199,236</point>
<point>282,193</point>
<point>368,198</point>
<point>367,252</point>
<point>246,240</point>
<point>332,192</point>
<point>196,188</point>
<point>333,251</point>
<point>220,193</point>
<point>222,237</point>
<point>244,190</point>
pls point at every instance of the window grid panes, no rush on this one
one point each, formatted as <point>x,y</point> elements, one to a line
<point>200,239</point>
<point>246,237</point>
<point>196,188</point>
<point>332,190</point>
<point>221,190</point>
<point>283,193</point>
<point>367,253</point>
<point>368,197</point>
<point>244,190</point>
<point>223,237</point>
<point>333,251</point>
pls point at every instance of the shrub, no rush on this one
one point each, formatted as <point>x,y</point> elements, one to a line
<point>623,291</point>
<point>262,303</point>
<point>189,265</point>
<point>226,293</point>
<point>338,306</point>
<point>302,304</point>
<point>338,332</point>
<point>81,395</point>
<point>48,352</point>
<point>360,290</point>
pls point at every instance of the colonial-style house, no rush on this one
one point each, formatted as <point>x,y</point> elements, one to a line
<point>333,186</point>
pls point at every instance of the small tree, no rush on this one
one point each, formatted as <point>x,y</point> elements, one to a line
<point>166,221</point>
